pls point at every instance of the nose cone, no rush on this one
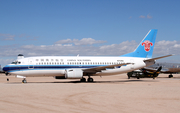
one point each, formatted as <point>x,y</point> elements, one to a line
<point>6,68</point>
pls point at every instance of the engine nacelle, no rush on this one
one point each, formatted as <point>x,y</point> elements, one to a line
<point>73,73</point>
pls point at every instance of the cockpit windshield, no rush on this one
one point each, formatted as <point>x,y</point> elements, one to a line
<point>16,62</point>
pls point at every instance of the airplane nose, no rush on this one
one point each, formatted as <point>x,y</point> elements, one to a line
<point>6,68</point>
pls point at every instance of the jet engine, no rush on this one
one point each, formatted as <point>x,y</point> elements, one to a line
<point>73,73</point>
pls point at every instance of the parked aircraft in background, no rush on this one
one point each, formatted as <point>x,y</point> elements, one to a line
<point>143,73</point>
<point>167,68</point>
<point>76,67</point>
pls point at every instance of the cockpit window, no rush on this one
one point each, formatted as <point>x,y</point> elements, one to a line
<point>16,62</point>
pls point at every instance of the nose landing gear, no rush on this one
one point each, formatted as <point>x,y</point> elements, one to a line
<point>7,75</point>
<point>24,81</point>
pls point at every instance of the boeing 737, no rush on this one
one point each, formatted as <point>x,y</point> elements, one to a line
<point>76,67</point>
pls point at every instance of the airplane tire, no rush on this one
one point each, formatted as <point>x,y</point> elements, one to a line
<point>90,80</point>
<point>170,76</point>
<point>24,81</point>
<point>83,80</point>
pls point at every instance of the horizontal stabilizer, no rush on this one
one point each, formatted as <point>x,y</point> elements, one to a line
<point>153,59</point>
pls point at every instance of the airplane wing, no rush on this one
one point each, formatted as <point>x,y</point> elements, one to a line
<point>152,59</point>
<point>100,68</point>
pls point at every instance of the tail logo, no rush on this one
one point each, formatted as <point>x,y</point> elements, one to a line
<point>147,45</point>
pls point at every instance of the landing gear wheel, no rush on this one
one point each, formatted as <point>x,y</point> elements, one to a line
<point>24,81</point>
<point>128,77</point>
<point>137,77</point>
<point>170,76</point>
<point>83,80</point>
<point>7,79</point>
<point>90,80</point>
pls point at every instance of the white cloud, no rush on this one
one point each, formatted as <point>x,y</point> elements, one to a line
<point>161,48</point>
<point>6,36</point>
<point>84,41</point>
<point>148,16</point>
<point>9,37</point>
<point>141,16</point>
<point>67,41</point>
<point>6,61</point>
<point>167,47</point>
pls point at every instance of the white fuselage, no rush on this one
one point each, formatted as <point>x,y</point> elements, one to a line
<point>57,65</point>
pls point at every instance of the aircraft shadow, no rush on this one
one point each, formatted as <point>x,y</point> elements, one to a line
<point>117,81</point>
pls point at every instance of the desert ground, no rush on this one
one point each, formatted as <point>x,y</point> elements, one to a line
<point>108,94</point>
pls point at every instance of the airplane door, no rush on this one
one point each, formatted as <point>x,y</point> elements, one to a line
<point>31,65</point>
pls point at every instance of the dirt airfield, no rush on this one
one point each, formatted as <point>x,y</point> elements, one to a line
<point>110,94</point>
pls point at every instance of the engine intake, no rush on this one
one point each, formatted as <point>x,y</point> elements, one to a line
<point>73,73</point>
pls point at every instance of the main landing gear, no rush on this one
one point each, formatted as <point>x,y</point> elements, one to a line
<point>83,80</point>
<point>88,80</point>
<point>170,76</point>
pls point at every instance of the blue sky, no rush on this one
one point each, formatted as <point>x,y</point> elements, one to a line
<point>87,27</point>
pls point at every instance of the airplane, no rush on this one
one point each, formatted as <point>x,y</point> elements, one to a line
<point>143,73</point>
<point>76,67</point>
<point>167,68</point>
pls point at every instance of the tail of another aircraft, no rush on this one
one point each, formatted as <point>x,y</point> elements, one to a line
<point>145,48</point>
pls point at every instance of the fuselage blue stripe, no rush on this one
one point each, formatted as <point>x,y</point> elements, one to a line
<point>44,67</point>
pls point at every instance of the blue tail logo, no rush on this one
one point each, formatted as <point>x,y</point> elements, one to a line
<point>147,45</point>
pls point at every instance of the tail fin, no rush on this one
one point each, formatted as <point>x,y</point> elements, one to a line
<point>145,48</point>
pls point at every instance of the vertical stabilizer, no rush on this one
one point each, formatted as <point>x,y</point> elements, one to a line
<point>146,47</point>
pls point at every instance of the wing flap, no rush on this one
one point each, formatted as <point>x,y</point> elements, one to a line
<point>100,68</point>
